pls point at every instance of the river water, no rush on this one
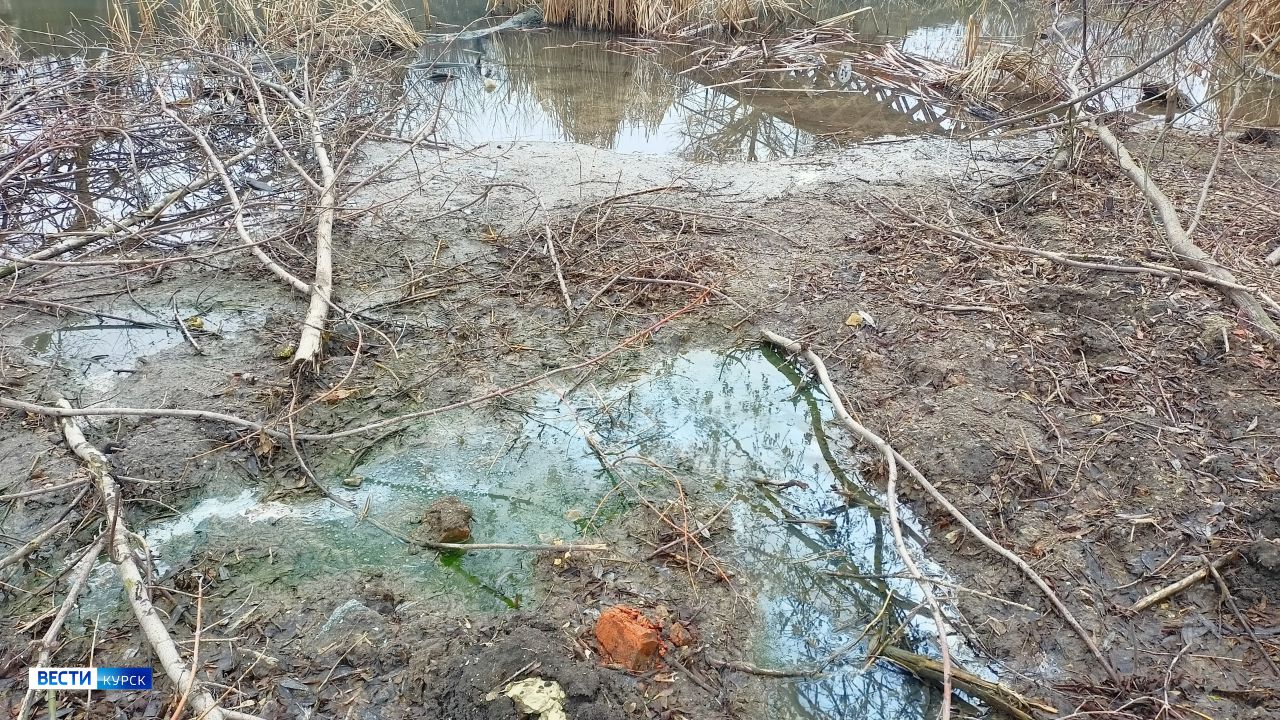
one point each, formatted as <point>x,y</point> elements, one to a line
<point>583,87</point>
<point>566,85</point>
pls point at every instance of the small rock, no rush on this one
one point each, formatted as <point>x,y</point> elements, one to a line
<point>627,637</point>
<point>353,482</point>
<point>447,520</point>
<point>679,635</point>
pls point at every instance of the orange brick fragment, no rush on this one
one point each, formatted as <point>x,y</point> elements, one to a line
<point>628,638</point>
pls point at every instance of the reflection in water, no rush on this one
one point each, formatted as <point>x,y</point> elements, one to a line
<point>738,417</point>
<point>570,86</point>
<point>1251,100</point>
<point>565,85</point>
<point>101,352</point>
<point>717,422</point>
<point>542,86</point>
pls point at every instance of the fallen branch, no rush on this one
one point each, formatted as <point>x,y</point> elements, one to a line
<point>1174,588</point>
<point>307,354</point>
<point>1226,595</point>
<point>463,547</point>
<point>714,216</point>
<point>41,491</point>
<point>84,311</point>
<point>185,332</point>
<point>895,524</point>
<point>1075,261</point>
<point>748,668</point>
<point>820,368</point>
<point>993,694</point>
<point>891,503</point>
<point>237,203</point>
<point>683,283</point>
<point>135,587</point>
<point>1178,239</point>
<point>952,308</point>
<point>79,578</point>
<point>555,263</point>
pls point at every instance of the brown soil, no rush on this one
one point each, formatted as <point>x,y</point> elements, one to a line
<point>1114,430</point>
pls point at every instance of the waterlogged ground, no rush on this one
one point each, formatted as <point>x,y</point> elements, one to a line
<point>1066,477</point>
<point>716,422</point>
<point>103,350</point>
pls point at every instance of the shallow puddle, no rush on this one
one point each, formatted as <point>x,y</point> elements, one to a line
<point>716,422</point>
<point>103,352</point>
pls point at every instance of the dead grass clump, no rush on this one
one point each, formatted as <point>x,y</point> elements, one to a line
<point>654,17</point>
<point>1259,24</point>
<point>305,25</point>
<point>1007,71</point>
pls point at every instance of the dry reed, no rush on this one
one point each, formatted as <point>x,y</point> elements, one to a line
<point>197,20</point>
<point>304,25</point>
<point>653,17</point>
<point>1008,71</point>
<point>8,46</point>
<point>1259,23</point>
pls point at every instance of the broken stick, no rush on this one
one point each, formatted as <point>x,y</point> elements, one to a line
<point>993,694</point>
<point>120,552</point>
<point>1172,589</point>
<point>1180,241</point>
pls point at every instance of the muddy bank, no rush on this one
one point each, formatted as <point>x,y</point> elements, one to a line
<point>1111,429</point>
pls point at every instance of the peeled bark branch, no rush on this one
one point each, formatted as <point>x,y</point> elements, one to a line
<point>1180,242</point>
<point>307,354</point>
<point>135,587</point>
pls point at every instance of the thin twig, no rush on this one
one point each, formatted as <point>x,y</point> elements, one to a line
<point>31,545</point>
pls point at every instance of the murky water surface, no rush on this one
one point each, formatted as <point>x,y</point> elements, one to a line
<point>717,423</point>
<point>101,352</point>
<point>563,85</point>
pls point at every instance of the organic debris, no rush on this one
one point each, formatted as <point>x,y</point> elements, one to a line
<point>446,520</point>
